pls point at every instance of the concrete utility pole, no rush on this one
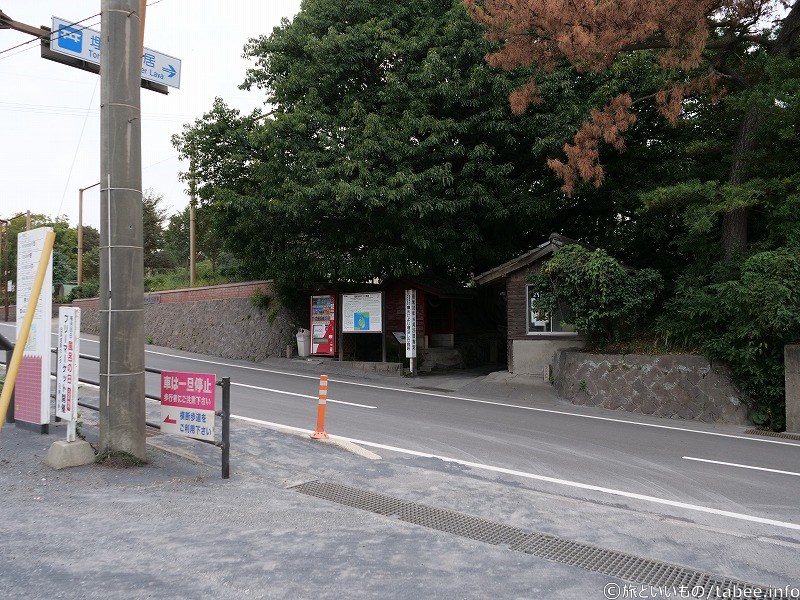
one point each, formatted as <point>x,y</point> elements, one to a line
<point>122,404</point>
<point>192,230</point>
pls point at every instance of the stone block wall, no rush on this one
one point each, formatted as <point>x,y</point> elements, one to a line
<point>671,386</point>
<point>217,320</point>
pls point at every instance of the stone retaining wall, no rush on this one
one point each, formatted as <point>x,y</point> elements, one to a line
<point>671,386</point>
<point>217,320</point>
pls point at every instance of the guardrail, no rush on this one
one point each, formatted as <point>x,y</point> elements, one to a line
<point>225,413</point>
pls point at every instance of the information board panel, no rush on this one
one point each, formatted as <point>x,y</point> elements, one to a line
<point>32,390</point>
<point>188,404</point>
<point>362,313</point>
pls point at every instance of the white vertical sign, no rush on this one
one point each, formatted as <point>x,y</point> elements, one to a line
<point>32,390</point>
<point>411,323</point>
<point>69,328</point>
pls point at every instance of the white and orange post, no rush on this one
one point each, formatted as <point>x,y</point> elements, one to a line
<point>320,434</point>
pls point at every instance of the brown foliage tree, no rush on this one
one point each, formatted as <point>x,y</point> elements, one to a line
<point>700,43</point>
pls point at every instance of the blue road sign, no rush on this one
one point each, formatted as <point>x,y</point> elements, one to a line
<point>85,44</point>
<point>70,39</point>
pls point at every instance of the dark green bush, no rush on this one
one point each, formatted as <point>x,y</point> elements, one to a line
<point>87,290</point>
<point>595,293</point>
<point>745,321</point>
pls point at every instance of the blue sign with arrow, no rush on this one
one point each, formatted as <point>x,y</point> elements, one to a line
<point>80,42</point>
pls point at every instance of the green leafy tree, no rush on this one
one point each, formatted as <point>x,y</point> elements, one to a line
<point>745,310</point>
<point>389,150</point>
<point>176,238</point>
<point>744,319</point>
<point>595,293</point>
<point>207,243</point>
<point>65,258</point>
<point>153,217</point>
<point>704,49</point>
<point>91,254</point>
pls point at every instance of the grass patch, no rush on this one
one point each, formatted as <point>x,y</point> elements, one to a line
<point>118,459</point>
<point>641,345</point>
<point>174,279</point>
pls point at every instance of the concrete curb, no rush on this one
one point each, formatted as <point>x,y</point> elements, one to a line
<point>342,444</point>
<point>349,446</point>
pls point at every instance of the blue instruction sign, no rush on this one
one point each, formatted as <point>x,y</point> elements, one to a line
<point>71,39</point>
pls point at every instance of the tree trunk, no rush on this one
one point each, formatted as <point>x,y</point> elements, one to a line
<point>734,222</point>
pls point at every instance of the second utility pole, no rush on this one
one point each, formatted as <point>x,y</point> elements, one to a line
<point>122,404</point>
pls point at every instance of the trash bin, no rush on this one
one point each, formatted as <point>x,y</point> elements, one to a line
<point>303,342</point>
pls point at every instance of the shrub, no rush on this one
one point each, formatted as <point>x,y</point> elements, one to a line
<point>745,321</point>
<point>87,290</point>
<point>595,293</point>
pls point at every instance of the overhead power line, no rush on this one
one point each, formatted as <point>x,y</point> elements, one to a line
<point>68,111</point>
<point>47,34</point>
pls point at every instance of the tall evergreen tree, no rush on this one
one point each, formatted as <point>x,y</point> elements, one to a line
<point>389,148</point>
<point>716,47</point>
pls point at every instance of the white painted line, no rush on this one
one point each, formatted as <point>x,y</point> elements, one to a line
<point>727,464</point>
<point>564,482</point>
<point>222,364</point>
<point>255,387</point>
<point>487,402</point>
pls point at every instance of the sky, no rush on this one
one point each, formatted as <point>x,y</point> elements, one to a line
<point>50,113</point>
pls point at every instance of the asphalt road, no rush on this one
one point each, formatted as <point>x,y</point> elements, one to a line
<point>689,470</point>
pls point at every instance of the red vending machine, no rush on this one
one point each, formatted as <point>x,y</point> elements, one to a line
<point>323,325</point>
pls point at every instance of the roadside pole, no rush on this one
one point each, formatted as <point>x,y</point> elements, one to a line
<point>192,230</point>
<point>122,392</point>
<point>411,329</point>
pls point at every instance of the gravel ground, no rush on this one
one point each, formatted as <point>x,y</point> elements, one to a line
<point>174,529</point>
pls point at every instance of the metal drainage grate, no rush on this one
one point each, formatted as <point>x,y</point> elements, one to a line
<point>624,566</point>
<point>777,434</point>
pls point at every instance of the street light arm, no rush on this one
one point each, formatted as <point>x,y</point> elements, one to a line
<point>80,230</point>
<point>90,187</point>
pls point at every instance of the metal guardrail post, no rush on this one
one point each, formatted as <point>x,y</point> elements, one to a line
<point>226,427</point>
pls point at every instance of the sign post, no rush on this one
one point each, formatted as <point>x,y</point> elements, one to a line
<point>69,328</point>
<point>187,404</point>
<point>411,327</point>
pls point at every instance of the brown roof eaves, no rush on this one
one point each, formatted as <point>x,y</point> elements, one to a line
<point>502,271</point>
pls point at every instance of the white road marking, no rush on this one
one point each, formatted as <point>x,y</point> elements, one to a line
<point>477,401</point>
<point>221,364</point>
<point>489,402</point>
<point>727,464</point>
<point>255,387</point>
<point>564,482</point>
